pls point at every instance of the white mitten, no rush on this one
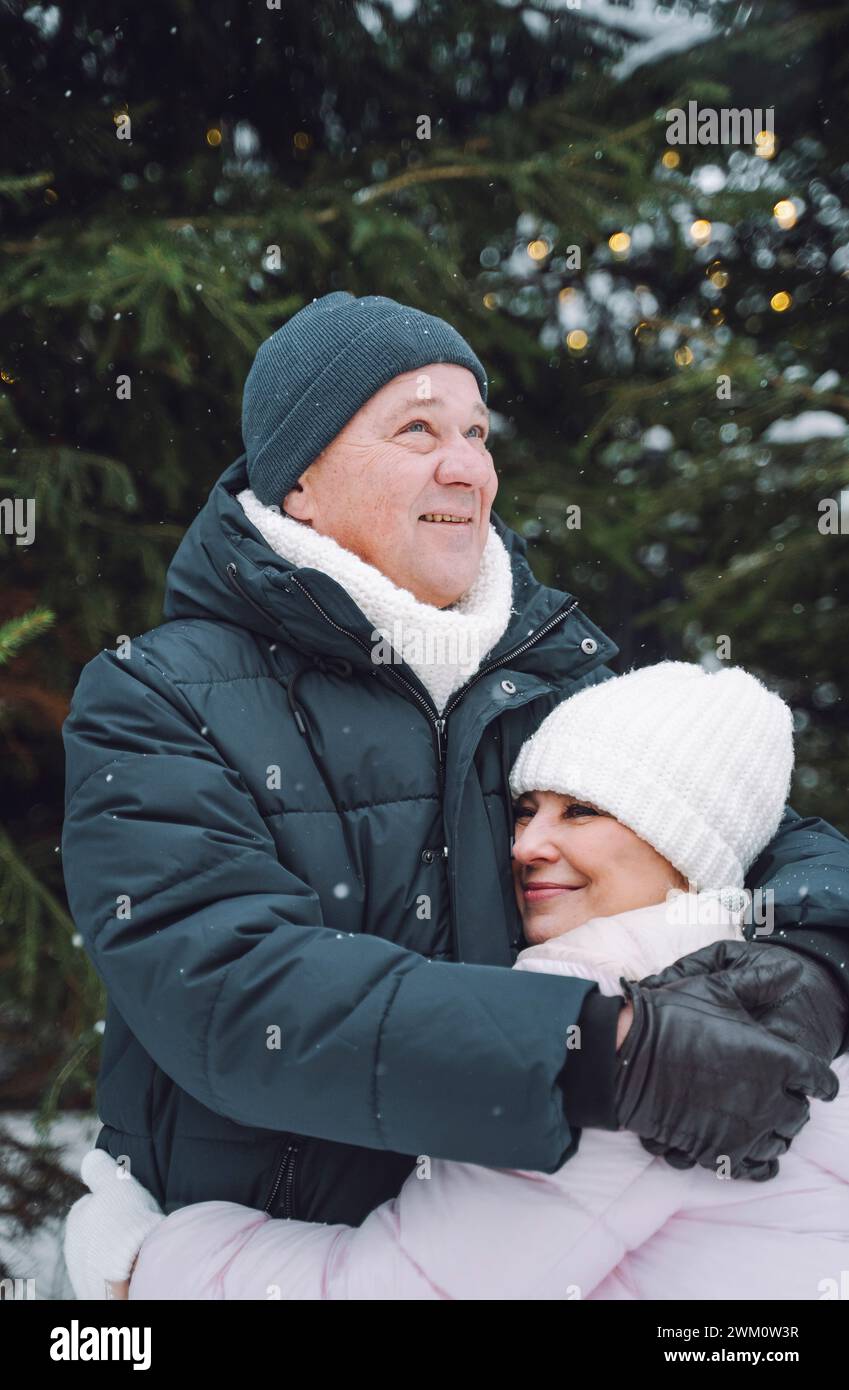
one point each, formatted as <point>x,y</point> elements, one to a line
<point>104,1231</point>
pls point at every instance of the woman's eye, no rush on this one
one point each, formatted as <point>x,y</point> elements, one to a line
<point>522,812</point>
<point>578,809</point>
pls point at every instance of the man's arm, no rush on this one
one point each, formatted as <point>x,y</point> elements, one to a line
<point>207,944</point>
<point>806,869</point>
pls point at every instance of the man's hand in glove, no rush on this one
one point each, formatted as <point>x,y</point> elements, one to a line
<point>723,1053</point>
<point>814,1012</point>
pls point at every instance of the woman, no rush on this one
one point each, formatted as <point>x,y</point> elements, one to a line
<point>663,780</point>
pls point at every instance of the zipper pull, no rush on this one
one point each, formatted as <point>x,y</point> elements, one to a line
<point>439,725</point>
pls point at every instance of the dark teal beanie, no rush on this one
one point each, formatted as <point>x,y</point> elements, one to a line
<point>311,376</point>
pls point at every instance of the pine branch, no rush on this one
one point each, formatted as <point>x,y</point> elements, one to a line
<point>25,901</point>
<point>17,632</point>
<point>16,186</point>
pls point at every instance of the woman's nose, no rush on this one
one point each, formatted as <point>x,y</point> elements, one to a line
<point>534,842</point>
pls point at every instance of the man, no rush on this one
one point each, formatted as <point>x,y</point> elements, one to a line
<point>288,849</point>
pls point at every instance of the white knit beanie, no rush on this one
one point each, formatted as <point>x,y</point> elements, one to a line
<point>696,763</point>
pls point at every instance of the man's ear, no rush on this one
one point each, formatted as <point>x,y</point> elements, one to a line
<point>295,504</point>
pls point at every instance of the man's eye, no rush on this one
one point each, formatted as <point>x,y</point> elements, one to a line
<point>426,423</point>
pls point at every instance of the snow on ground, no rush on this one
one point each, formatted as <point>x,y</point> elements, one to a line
<point>39,1256</point>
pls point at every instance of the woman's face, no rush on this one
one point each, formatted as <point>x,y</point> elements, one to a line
<point>572,862</point>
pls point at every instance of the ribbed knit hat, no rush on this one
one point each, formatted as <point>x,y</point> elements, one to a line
<point>696,763</point>
<point>313,374</point>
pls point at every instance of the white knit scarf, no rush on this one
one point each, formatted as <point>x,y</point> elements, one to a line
<point>443,646</point>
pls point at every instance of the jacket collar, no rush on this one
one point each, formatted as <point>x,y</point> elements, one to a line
<point>638,942</point>
<point>223,570</point>
<point>443,646</point>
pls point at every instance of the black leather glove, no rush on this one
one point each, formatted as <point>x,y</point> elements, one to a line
<point>814,1012</point>
<point>702,1074</point>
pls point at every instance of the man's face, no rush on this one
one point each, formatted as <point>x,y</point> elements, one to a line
<point>414,453</point>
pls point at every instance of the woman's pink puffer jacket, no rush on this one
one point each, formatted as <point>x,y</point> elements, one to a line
<point>613,1223</point>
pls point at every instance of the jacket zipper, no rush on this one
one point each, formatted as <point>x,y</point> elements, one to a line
<point>508,656</point>
<point>287,1167</point>
<point>436,720</point>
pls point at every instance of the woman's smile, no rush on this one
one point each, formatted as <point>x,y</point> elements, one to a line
<point>540,889</point>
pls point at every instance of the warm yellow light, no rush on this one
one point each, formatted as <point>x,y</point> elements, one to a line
<point>577,340</point>
<point>490,300</point>
<point>683,356</point>
<point>780,301</point>
<point>719,278</point>
<point>766,144</point>
<point>619,243</point>
<point>565,294</point>
<point>213,136</point>
<point>538,250</point>
<point>716,316</point>
<point>700,231</point>
<point>785,214</point>
<point>671,159</point>
<point>302,140</point>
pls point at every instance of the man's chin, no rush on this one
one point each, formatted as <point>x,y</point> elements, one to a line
<point>442,585</point>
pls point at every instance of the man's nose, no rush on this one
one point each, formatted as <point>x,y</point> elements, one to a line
<point>465,462</point>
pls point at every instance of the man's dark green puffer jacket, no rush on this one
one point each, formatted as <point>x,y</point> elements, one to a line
<point>294,879</point>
